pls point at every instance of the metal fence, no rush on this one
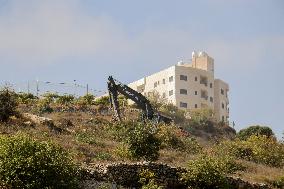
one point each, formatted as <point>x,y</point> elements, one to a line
<point>38,87</point>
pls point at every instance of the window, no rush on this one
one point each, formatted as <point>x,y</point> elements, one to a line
<point>223,118</point>
<point>183,91</point>
<point>164,81</point>
<point>183,105</point>
<point>195,105</point>
<point>164,95</point>
<point>222,91</point>
<point>171,92</point>
<point>155,84</point>
<point>223,106</point>
<point>183,77</point>
<point>195,93</point>
<point>211,85</point>
<point>211,99</point>
<point>171,78</point>
<point>195,78</point>
<point>158,82</point>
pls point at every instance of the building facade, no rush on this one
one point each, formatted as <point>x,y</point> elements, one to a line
<point>189,85</point>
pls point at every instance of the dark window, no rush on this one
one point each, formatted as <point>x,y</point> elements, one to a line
<point>171,92</point>
<point>158,82</point>
<point>183,105</point>
<point>211,85</point>
<point>211,99</point>
<point>171,78</point>
<point>183,77</point>
<point>183,91</point>
<point>195,93</point>
<point>195,78</point>
<point>164,81</point>
<point>164,95</point>
<point>222,91</point>
<point>223,106</point>
<point>195,106</point>
<point>155,84</point>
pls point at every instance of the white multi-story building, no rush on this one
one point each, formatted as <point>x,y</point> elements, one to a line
<point>189,85</point>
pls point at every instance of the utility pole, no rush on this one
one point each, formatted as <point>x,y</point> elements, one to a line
<point>37,87</point>
<point>74,87</point>
<point>28,87</point>
<point>87,89</point>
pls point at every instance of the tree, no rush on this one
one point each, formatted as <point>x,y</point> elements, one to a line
<point>8,104</point>
<point>255,130</point>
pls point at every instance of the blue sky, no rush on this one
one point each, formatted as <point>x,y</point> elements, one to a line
<point>87,40</point>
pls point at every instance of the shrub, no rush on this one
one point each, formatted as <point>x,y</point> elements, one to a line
<point>172,111</point>
<point>26,98</point>
<point>8,104</point>
<point>85,137</point>
<point>27,163</point>
<point>168,138</point>
<point>43,106</point>
<point>171,140</point>
<point>143,142</point>
<point>259,149</point>
<point>102,101</point>
<point>278,183</point>
<point>209,171</point>
<point>254,130</point>
<point>148,180</point>
<point>65,99</point>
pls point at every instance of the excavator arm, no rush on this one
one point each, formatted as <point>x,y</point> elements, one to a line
<point>115,87</point>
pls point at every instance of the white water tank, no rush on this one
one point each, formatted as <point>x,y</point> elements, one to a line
<point>202,54</point>
<point>193,54</point>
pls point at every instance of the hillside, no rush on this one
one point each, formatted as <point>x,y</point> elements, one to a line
<point>92,138</point>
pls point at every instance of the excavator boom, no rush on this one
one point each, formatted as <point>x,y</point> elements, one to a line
<point>115,87</point>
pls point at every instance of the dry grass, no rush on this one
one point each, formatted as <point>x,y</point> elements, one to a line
<point>104,148</point>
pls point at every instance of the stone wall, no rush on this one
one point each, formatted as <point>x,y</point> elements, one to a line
<point>127,175</point>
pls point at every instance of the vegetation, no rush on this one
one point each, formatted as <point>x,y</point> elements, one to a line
<point>26,98</point>
<point>27,163</point>
<point>255,130</point>
<point>210,171</point>
<point>143,142</point>
<point>8,104</point>
<point>209,150</point>
<point>259,149</point>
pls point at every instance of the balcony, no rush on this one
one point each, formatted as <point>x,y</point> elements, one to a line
<point>204,80</point>
<point>204,95</point>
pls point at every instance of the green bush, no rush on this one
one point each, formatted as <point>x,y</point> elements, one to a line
<point>85,137</point>
<point>65,99</point>
<point>8,104</point>
<point>27,163</point>
<point>255,130</point>
<point>143,142</point>
<point>102,101</point>
<point>278,183</point>
<point>172,111</point>
<point>168,138</point>
<point>43,106</point>
<point>171,140</point>
<point>259,149</point>
<point>209,172</point>
<point>148,180</point>
<point>26,98</point>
